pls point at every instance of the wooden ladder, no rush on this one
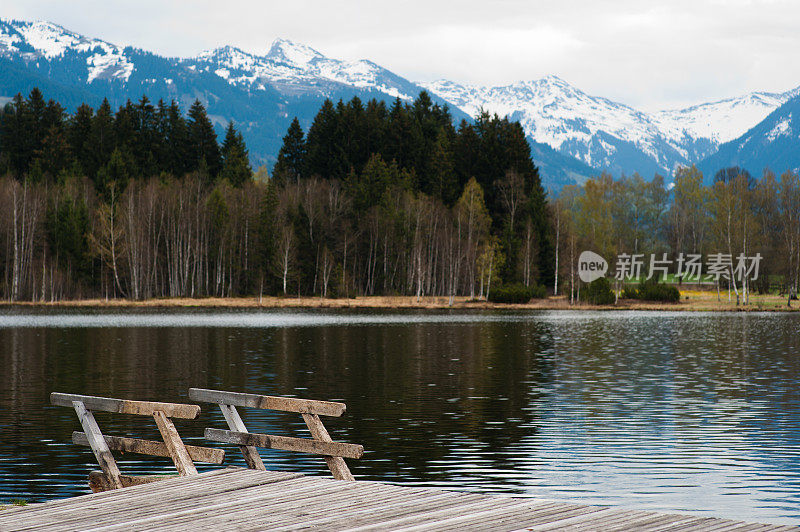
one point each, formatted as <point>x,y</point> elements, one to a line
<point>171,447</point>
<point>321,444</point>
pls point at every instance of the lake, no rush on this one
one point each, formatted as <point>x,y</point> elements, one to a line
<point>682,412</point>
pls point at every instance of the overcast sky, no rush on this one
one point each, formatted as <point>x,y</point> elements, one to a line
<point>651,55</point>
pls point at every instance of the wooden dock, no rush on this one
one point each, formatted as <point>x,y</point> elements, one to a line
<point>245,499</point>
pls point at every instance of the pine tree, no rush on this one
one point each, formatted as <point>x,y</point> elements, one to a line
<point>376,179</point>
<point>67,225</point>
<point>204,151</point>
<point>126,142</point>
<point>292,155</point>
<point>79,130</point>
<point>235,161</point>
<point>376,118</point>
<point>101,141</point>
<point>13,137</point>
<point>121,168</point>
<point>443,181</point>
<point>145,150</point>
<point>352,134</point>
<point>400,134</point>
<point>35,121</point>
<point>178,155</point>
<point>325,155</point>
<point>53,156</point>
<point>125,133</point>
<point>265,231</point>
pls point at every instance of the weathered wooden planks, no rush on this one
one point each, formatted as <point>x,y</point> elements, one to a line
<point>98,444</point>
<point>174,444</point>
<point>336,464</point>
<point>268,402</point>
<point>153,448</point>
<point>245,499</point>
<point>285,443</point>
<point>322,443</point>
<point>235,423</point>
<point>98,481</point>
<point>126,406</point>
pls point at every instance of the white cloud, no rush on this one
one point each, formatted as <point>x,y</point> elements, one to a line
<point>651,55</point>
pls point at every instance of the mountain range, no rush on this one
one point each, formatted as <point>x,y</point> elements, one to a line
<point>572,135</point>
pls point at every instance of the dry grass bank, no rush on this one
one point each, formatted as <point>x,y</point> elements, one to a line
<point>691,300</point>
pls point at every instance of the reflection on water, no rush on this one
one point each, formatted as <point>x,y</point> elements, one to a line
<point>667,411</point>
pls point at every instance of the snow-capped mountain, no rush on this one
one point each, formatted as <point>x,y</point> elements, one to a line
<point>297,67</point>
<point>572,134</point>
<point>261,93</point>
<point>610,135</point>
<point>724,120</point>
<point>286,64</point>
<point>42,40</point>
<point>773,143</point>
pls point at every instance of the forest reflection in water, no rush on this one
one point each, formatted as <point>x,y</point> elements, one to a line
<point>669,411</point>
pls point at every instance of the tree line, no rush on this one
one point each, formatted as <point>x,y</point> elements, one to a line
<point>375,199</point>
<point>736,214</point>
<point>40,142</point>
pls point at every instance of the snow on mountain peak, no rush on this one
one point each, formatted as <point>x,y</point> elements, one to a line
<point>52,42</point>
<point>553,112</point>
<point>721,121</point>
<point>782,128</point>
<point>230,57</point>
<point>291,64</point>
<point>47,38</point>
<point>286,51</point>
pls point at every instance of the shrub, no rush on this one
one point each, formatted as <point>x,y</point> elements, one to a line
<point>659,292</point>
<point>630,292</point>
<point>652,290</point>
<point>517,293</point>
<point>598,292</point>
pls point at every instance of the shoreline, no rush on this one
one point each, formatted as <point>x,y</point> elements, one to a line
<point>695,303</point>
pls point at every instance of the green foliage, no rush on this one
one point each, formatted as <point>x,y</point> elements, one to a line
<point>377,178</point>
<point>235,162</point>
<point>291,156</point>
<point>629,292</point>
<point>598,292</point>
<point>204,151</point>
<point>101,141</point>
<point>68,234</point>
<point>120,169</point>
<point>418,144</point>
<point>374,199</point>
<point>217,209</point>
<point>517,293</point>
<point>140,140</point>
<point>325,155</point>
<point>652,290</point>
<point>24,126</point>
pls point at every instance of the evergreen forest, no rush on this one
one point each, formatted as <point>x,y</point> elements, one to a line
<point>374,199</point>
<point>145,201</point>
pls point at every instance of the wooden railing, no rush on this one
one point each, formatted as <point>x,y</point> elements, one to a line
<point>172,446</point>
<point>321,444</point>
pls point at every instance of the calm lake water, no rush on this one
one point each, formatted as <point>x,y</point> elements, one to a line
<point>687,412</point>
